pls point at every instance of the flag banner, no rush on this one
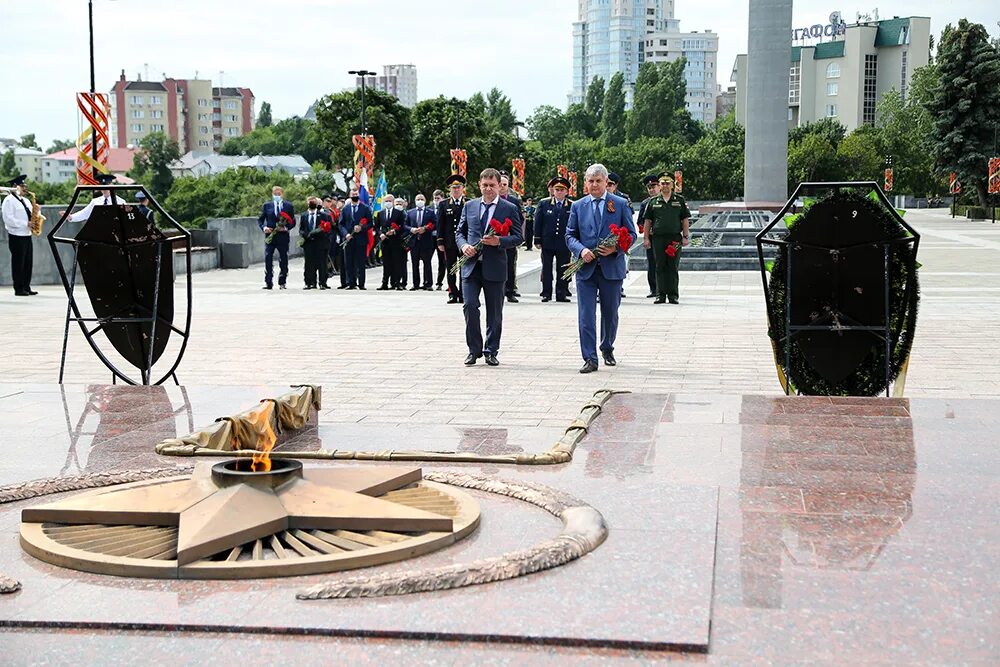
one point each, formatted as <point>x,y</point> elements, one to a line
<point>562,170</point>
<point>572,183</point>
<point>517,175</point>
<point>678,181</point>
<point>993,183</point>
<point>458,161</point>
<point>954,185</point>
<point>364,156</point>
<point>95,110</point>
<point>888,179</point>
<point>381,188</point>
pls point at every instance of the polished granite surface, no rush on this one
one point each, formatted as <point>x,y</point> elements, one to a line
<point>760,529</point>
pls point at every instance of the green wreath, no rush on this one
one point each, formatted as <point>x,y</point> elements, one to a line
<point>868,379</point>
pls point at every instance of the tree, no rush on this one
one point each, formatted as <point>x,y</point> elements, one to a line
<point>612,124</point>
<point>713,166</point>
<point>579,123</point>
<point>593,102</point>
<point>152,163</point>
<point>965,106</point>
<point>812,159</point>
<point>499,110</point>
<point>860,156</point>
<point>292,136</point>
<point>830,129</point>
<point>8,168</point>
<point>904,131</point>
<point>61,145</point>
<point>28,141</point>
<point>264,117</point>
<point>658,100</point>
<point>338,118</point>
<point>548,125</point>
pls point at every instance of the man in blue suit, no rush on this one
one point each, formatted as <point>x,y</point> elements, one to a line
<point>486,269</point>
<point>420,224</point>
<point>355,221</point>
<point>269,219</point>
<point>590,220</point>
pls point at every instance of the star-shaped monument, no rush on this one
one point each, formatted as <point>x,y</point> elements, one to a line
<point>214,514</point>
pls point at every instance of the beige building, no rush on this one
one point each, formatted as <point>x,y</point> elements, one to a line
<point>196,114</point>
<point>846,77</point>
<point>701,50</point>
<point>400,81</point>
<point>29,161</point>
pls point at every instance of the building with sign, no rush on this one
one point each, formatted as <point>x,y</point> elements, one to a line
<point>845,77</point>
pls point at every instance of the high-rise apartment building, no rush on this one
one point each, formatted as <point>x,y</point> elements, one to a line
<point>609,36</point>
<point>399,81</point>
<point>196,114</point>
<point>701,50</point>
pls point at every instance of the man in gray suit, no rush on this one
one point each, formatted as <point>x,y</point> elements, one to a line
<point>486,269</point>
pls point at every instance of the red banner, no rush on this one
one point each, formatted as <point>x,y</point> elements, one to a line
<point>562,170</point>
<point>95,110</point>
<point>678,181</point>
<point>572,183</point>
<point>458,161</point>
<point>888,180</point>
<point>993,183</point>
<point>364,155</point>
<point>954,185</point>
<point>517,176</point>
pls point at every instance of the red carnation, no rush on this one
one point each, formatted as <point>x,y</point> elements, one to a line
<point>430,226</point>
<point>672,249</point>
<point>501,228</point>
<point>284,214</point>
<point>325,226</point>
<point>364,221</point>
<point>624,239</point>
<point>394,227</point>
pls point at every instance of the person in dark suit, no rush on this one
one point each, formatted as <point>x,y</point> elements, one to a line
<point>420,224</point>
<point>390,226</point>
<point>551,218</point>
<point>279,215</point>
<point>315,228</point>
<point>486,270</point>
<point>355,221</point>
<point>449,212</point>
<point>652,183</point>
<point>510,288</point>
<point>590,219</point>
<point>332,204</point>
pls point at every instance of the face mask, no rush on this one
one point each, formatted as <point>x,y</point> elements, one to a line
<point>312,206</point>
<point>420,203</point>
<point>399,206</point>
<point>355,198</point>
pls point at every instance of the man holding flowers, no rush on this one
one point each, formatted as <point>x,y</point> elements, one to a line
<point>599,234</point>
<point>487,228</point>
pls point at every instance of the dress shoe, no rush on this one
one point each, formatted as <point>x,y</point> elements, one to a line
<point>651,295</point>
<point>32,292</point>
<point>22,294</point>
<point>427,289</point>
<point>381,289</point>
<point>609,358</point>
<point>512,299</point>
<point>267,287</point>
<point>414,288</point>
<point>674,301</point>
<point>562,299</point>
<point>589,366</point>
<point>324,287</point>
<point>439,287</point>
<point>308,287</point>
<point>399,288</point>
<point>516,293</point>
<point>660,300</point>
<point>452,299</point>
<point>282,287</point>
<point>362,287</point>
<point>545,299</point>
<point>342,287</point>
<point>350,287</point>
<point>471,359</point>
<point>491,360</point>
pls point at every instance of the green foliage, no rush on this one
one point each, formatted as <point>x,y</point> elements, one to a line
<point>905,132</point>
<point>713,165</point>
<point>613,114</point>
<point>829,129</point>
<point>658,101</point>
<point>338,119</point>
<point>233,193</point>
<point>152,163</point>
<point>52,193</point>
<point>579,123</point>
<point>499,111</point>
<point>547,125</point>
<point>8,168</point>
<point>292,136</point>
<point>28,141</point>
<point>811,159</point>
<point>965,103</point>
<point>859,155</point>
<point>61,145</point>
<point>264,117</point>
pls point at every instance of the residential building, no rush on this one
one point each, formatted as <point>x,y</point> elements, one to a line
<point>194,113</point>
<point>701,51</point>
<point>725,102</point>
<point>202,163</point>
<point>397,80</point>
<point>846,77</point>
<point>60,167</point>
<point>610,36</point>
<point>29,161</point>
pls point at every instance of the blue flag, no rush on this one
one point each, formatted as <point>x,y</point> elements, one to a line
<point>380,192</point>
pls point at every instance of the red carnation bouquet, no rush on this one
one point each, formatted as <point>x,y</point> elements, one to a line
<point>364,221</point>
<point>393,227</point>
<point>496,228</point>
<point>673,248</point>
<point>324,227</point>
<point>284,222</point>
<point>619,238</point>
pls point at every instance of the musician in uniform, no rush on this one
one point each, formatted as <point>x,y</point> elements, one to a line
<point>103,199</point>
<point>16,219</point>
<point>551,218</point>
<point>449,211</point>
<point>665,224</point>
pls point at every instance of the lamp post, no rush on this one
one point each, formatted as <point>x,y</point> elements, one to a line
<point>363,73</point>
<point>93,85</point>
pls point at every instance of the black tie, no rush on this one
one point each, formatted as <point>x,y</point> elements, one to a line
<point>312,221</point>
<point>105,201</point>
<point>486,214</point>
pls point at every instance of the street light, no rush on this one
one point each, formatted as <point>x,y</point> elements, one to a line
<point>363,73</point>
<point>93,85</point>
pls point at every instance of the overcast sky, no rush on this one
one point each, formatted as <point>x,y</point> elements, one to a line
<point>290,52</point>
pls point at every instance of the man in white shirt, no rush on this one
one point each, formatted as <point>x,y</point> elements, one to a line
<point>104,199</point>
<point>16,216</point>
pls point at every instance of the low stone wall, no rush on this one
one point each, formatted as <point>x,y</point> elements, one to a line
<point>245,230</point>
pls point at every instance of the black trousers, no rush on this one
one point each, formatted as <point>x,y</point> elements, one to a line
<point>393,263</point>
<point>20,262</point>
<point>422,255</point>
<point>450,257</point>
<point>511,286</point>
<point>279,245</point>
<point>354,262</point>
<point>651,270</point>
<point>492,292</point>
<point>561,258</point>
<point>316,252</point>
<point>442,265</point>
<point>529,232</point>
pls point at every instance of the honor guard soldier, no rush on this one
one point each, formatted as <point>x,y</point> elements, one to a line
<point>665,223</point>
<point>551,218</point>
<point>449,211</point>
<point>652,183</point>
<point>142,199</point>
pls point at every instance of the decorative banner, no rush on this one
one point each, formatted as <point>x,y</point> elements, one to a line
<point>562,170</point>
<point>458,161</point>
<point>517,174</point>
<point>954,185</point>
<point>364,154</point>
<point>888,179</point>
<point>678,181</point>
<point>993,182</point>
<point>95,108</point>
<point>572,183</point>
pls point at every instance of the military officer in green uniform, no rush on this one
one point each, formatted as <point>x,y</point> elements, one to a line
<point>665,231</point>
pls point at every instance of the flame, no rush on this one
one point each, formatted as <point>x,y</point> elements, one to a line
<point>261,420</point>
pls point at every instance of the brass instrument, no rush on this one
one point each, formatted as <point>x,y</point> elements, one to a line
<point>35,223</point>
